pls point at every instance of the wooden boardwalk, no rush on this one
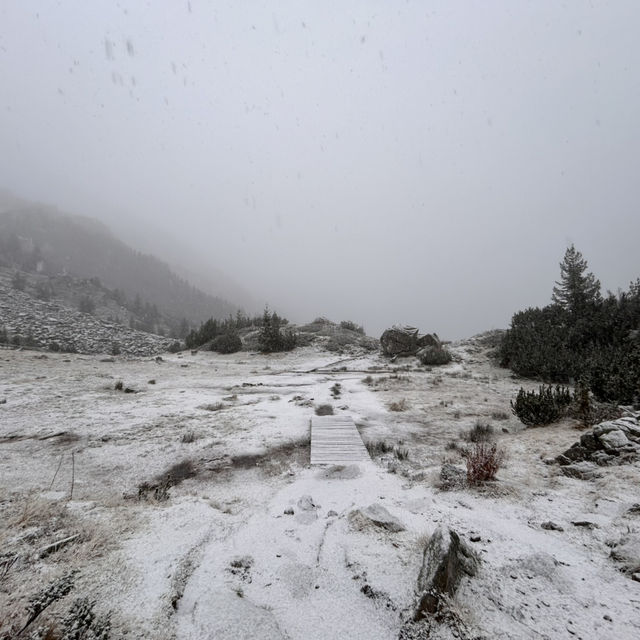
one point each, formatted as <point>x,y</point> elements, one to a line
<point>335,440</point>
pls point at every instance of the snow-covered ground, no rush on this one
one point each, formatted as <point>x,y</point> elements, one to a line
<point>220,558</point>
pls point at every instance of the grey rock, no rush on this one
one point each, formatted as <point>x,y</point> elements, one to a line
<point>614,439</point>
<point>375,515</point>
<point>288,511</point>
<point>406,341</point>
<point>582,470</point>
<point>627,553</point>
<point>551,526</point>
<point>306,503</point>
<point>589,442</point>
<point>446,560</point>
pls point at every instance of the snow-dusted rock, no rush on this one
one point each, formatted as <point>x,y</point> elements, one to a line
<point>614,439</point>
<point>627,552</point>
<point>445,561</point>
<point>582,470</point>
<point>608,443</point>
<point>376,515</point>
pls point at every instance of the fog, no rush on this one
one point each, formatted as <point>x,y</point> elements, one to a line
<point>419,162</point>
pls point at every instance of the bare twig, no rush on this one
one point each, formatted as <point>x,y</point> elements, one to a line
<point>73,473</point>
<point>56,473</point>
<point>55,546</point>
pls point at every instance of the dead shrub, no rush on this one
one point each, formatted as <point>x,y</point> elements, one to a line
<point>118,386</point>
<point>173,476</point>
<point>189,437</point>
<point>483,462</point>
<point>500,415</point>
<point>400,405</point>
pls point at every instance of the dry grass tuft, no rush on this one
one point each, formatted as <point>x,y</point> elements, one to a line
<point>400,405</point>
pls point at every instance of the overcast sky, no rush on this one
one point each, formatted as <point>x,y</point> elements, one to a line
<point>418,162</point>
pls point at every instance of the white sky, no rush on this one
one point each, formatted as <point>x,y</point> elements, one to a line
<point>421,162</point>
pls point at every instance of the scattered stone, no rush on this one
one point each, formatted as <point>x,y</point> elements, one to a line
<point>332,514</point>
<point>306,503</point>
<point>375,515</point>
<point>452,477</point>
<point>585,523</point>
<point>551,526</point>
<point>307,510</point>
<point>627,553</point>
<point>475,538</point>
<point>636,577</point>
<point>288,511</point>
<point>446,560</point>
<point>607,617</point>
<point>634,510</point>
<point>3,401</point>
<point>582,470</point>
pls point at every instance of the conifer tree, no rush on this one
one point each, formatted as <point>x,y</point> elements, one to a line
<point>577,289</point>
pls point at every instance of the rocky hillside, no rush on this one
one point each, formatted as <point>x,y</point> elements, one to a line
<point>38,239</point>
<point>29,321</point>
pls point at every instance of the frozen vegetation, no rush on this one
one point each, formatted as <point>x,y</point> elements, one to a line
<point>187,507</point>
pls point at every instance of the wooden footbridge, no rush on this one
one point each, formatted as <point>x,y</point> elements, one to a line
<point>336,440</point>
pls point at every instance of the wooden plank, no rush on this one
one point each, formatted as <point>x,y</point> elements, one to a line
<point>336,440</point>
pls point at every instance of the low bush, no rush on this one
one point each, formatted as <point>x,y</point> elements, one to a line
<point>227,343</point>
<point>483,461</point>
<point>351,326</point>
<point>544,406</point>
<point>480,432</point>
<point>174,347</point>
<point>434,355</point>
<point>324,410</point>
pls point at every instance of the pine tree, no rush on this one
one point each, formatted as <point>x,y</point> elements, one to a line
<point>577,289</point>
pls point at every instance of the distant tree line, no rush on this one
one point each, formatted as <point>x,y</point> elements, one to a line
<point>581,337</point>
<point>224,337</point>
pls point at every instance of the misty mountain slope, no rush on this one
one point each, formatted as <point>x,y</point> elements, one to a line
<point>36,238</point>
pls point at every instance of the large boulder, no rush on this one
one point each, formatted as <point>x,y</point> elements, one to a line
<point>446,560</point>
<point>608,443</point>
<point>406,341</point>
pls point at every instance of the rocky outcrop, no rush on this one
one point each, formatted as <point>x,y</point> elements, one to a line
<point>608,443</point>
<point>375,516</point>
<point>53,326</point>
<point>406,341</point>
<point>446,560</point>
